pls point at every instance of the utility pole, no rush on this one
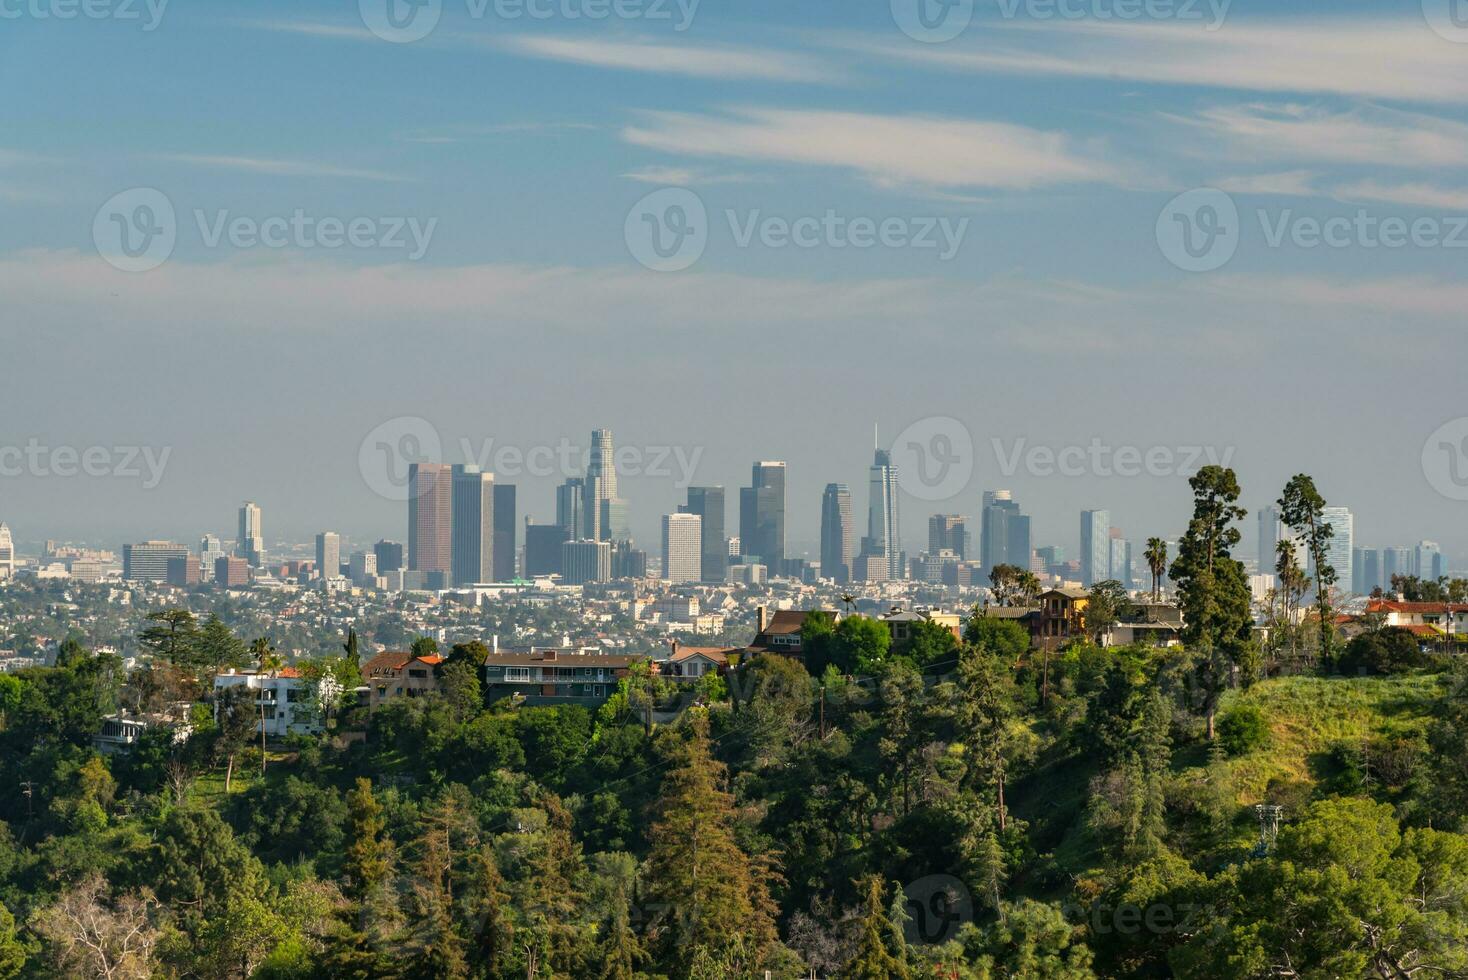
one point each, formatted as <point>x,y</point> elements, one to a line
<point>823,712</point>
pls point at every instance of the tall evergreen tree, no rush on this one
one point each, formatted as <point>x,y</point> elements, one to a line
<point>881,953</point>
<point>1213,590</point>
<point>714,891</point>
<point>1303,509</point>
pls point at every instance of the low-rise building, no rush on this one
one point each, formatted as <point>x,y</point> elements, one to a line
<point>554,676</point>
<point>283,699</point>
<point>397,674</point>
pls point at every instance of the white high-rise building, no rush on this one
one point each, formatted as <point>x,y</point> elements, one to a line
<point>1341,542</point>
<point>602,465</point>
<point>7,554</point>
<point>1095,551</point>
<point>328,554</point>
<point>251,542</point>
<point>682,547</point>
<point>211,549</point>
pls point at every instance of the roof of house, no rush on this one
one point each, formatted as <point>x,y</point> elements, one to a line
<point>1069,593</point>
<point>1391,605</point>
<point>785,621</point>
<point>387,661</point>
<point>559,658</point>
<point>716,654</point>
<point>1422,629</point>
<point>1006,612</point>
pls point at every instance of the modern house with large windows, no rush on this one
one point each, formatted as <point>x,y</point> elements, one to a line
<point>283,699</point>
<point>554,676</point>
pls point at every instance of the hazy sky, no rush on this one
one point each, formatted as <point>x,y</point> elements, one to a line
<point>992,234</point>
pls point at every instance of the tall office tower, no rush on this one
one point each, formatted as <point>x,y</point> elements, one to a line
<point>882,525</point>
<point>1341,543</point>
<point>1364,570</point>
<point>1271,531</point>
<point>148,561</point>
<point>997,508</point>
<point>602,464</point>
<point>1119,561</point>
<point>946,532</point>
<point>362,567</point>
<point>762,515</point>
<point>251,543</point>
<point>389,556</point>
<point>211,549</point>
<point>1428,561</point>
<point>1095,546</point>
<point>7,553</point>
<point>586,561</point>
<point>627,561</point>
<point>472,505</point>
<point>328,554</point>
<point>543,548</point>
<point>1394,562</point>
<point>615,521</point>
<point>571,508</point>
<point>838,533</point>
<point>430,522</point>
<point>506,547</point>
<point>592,526</point>
<point>682,547</point>
<point>708,504</point>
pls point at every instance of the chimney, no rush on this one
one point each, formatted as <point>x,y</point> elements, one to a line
<point>759,619</point>
<point>495,648</point>
<point>675,646</point>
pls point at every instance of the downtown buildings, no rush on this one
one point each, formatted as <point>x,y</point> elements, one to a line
<point>762,516</point>
<point>250,545</point>
<point>837,533</point>
<point>682,547</point>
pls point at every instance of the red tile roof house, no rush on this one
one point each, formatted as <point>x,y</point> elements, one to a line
<point>397,674</point>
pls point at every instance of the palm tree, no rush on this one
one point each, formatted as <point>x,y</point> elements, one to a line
<point>269,662</point>
<point>1029,587</point>
<point>1156,555</point>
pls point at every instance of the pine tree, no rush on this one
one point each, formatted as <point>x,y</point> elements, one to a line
<point>881,953</point>
<point>714,892</point>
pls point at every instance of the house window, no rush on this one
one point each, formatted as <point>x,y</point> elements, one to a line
<point>417,673</point>
<point>598,691</point>
<point>517,675</point>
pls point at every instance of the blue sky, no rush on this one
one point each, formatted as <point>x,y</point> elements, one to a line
<point>1056,142</point>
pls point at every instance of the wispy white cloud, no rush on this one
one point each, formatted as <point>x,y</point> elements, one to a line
<point>685,176</point>
<point>342,32</point>
<point>1411,195</point>
<point>279,168</point>
<point>694,60</point>
<point>928,152</point>
<point>1380,59</point>
<point>1367,135</point>
<point>1293,183</point>
<point>478,133</point>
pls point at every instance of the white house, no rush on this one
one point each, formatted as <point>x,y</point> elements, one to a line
<point>284,700</point>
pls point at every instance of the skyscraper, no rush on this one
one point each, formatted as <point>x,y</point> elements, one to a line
<point>506,547</point>
<point>7,553</point>
<point>946,533</point>
<point>586,561</point>
<point>1119,560</point>
<point>571,508</point>
<point>1004,532</point>
<point>1394,562</point>
<point>328,554</point>
<point>838,533</point>
<point>430,522</point>
<point>602,464</point>
<point>1095,552</point>
<point>473,517</point>
<point>883,534</point>
<point>251,542</point>
<point>543,548</point>
<point>1341,543</point>
<point>682,547</point>
<point>1271,529</point>
<point>708,504</point>
<point>389,556</point>
<point>1428,561</point>
<point>762,515</point>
